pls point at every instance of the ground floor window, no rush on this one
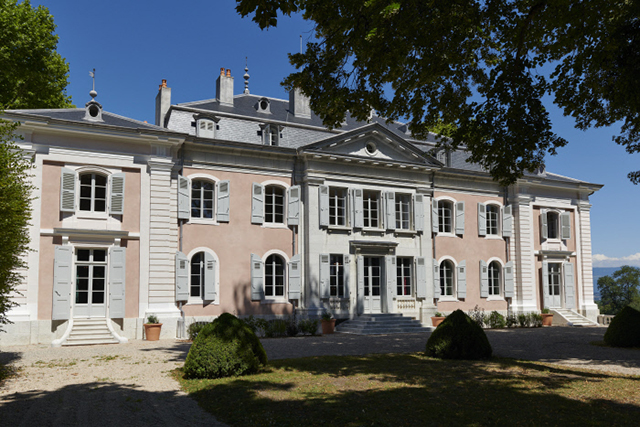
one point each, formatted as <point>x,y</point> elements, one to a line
<point>554,279</point>
<point>91,276</point>
<point>494,278</point>
<point>446,278</point>
<point>372,269</point>
<point>336,272</point>
<point>403,276</point>
<point>197,275</point>
<point>274,276</point>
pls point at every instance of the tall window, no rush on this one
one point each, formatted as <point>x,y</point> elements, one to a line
<point>446,278</point>
<point>274,276</point>
<point>554,279</point>
<point>445,216</point>
<point>493,213</point>
<point>91,269</point>
<point>403,213</point>
<point>553,225</point>
<point>197,275</point>
<point>403,276</point>
<point>336,270</point>
<point>274,204</point>
<point>338,206</point>
<point>371,210</point>
<point>202,199</point>
<point>494,278</point>
<point>93,192</point>
<point>372,276</point>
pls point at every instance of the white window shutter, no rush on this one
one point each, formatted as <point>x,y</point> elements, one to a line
<point>509,284</point>
<point>257,278</point>
<point>545,283</point>
<point>210,267</point>
<point>295,277</point>
<point>323,203</point>
<point>360,270</point>
<point>358,208</point>
<point>184,201</point>
<point>484,280</point>
<point>117,275</point>
<point>565,222</point>
<point>116,181</point>
<point>569,286</point>
<point>460,218</point>
<point>543,224</point>
<point>293,211</point>
<point>434,215</point>
<point>325,276</point>
<point>62,279</point>
<point>257,204</point>
<point>461,272</point>
<point>482,219</point>
<point>68,191</point>
<point>507,221</point>
<point>436,279</point>
<point>345,274</point>
<point>182,277</point>
<point>390,198</point>
<point>418,212</point>
<point>421,277</point>
<point>391,275</point>
<point>223,192</point>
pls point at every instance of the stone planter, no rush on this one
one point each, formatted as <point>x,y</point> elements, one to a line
<point>437,320</point>
<point>152,331</point>
<point>547,319</point>
<point>328,326</point>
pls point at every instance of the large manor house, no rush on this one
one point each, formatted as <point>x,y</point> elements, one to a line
<point>247,204</point>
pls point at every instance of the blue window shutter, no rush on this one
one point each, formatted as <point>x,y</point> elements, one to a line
<point>62,277</point>
<point>182,277</point>
<point>325,276</point>
<point>293,211</point>
<point>434,216</point>
<point>418,212</point>
<point>391,275</point>
<point>68,191</point>
<point>257,204</point>
<point>509,284</point>
<point>484,280</point>
<point>390,199</point>
<point>360,267</point>
<point>436,279</point>
<point>507,221</point>
<point>421,277</point>
<point>461,272</point>
<point>543,224</point>
<point>565,223</point>
<point>117,275</point>
<point>569,286</point>
<point>223,192</point>
<point>545,283</point>
<point>358,207</point>
<point>257,278</point>
<point>323,203</point>
<point>482,219</point>
<point>210,267</point>
<point>295,277</point>
<point>184,201</point>
<point>460,218</point>
<point>116,207</point>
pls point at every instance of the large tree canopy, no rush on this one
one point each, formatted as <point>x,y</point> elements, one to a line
<point>482,66</point>
<point>620,289</point>
<point>32,73</point>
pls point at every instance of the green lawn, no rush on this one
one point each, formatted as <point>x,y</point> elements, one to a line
<point>414,390</point>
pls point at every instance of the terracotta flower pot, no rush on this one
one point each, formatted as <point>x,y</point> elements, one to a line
<point>547,319</point>
<point>437,320</point>
<point>152,331</point>
<point>328,326</point>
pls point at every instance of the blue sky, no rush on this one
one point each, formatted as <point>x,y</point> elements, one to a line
<point>133,45</point>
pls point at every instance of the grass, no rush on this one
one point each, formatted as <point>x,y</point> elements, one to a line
<point>412,389</point>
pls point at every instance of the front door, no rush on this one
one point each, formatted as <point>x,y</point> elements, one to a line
<point>555,285</point>
<point>91,280</point>
<point>372,284</point>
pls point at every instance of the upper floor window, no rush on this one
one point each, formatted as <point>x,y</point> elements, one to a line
<point>445,216</point>
<point>552,225</point>
<point>494,278</point>
<point>337,206</point>
<point>403,211</point>
<point>555,225</point>
<point>274,269</point>
<point>371,209</point>
<point>403,276</point>
<point>493,213</point>
<point>93,192</point>
<point>274,204</point>
<point>446,278</point>
<point>202,197</point>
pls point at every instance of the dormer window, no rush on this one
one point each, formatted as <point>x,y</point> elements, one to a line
<point>444,157</point>
<point>271,134</point>
<point>264,106</point>
<point>205,128</point>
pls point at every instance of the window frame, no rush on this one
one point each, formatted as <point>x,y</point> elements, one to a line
<point>91,264</point>
<point>404,265</point>
<point>558,231</point>
<point>442,227</point>
<point>270,207</point>
<point>402,199</point>
<point>495,268</point>
<point>213,183</point>
<point>274,276</point>
<point>336,276</point>
<point>492,230</point>
<point>443,285</point>
<point>209,130</point>
<point>196,298</point>
<point>368,210</point>
<point>333,208</point>
<point>92,198</point>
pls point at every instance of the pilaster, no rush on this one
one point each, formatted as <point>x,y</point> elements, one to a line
<point>587,306</point>
<point>522,253</point>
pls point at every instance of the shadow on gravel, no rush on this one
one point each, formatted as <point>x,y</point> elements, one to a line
<point>7,357</point>
<point>177,350</point>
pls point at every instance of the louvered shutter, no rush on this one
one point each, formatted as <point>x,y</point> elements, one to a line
<point>358,208</point>
<point>323,203</point>
<point>223,191</point>
<point>184,202</point>
<point>484,280</point>
<point>345,272</point>
<point>295,277</point>
<point>257,278</point>
<point>508,280</point>
<point>62,279</point>
<point>257,204</point>
<point>293,211</point>
<point>461,272</point>
<point>507,221</point>
<point>545,283</point>
<point>421,277</point>
<point>543,224</point>
<point>460,218</point>
<point>390,198</point>
<point>116,207</point>
<point>325,276</point>
<point>565,222</point>
<point>436,279</point>
<point>68,191</point>
<point>482,219</point>
<point>391,275</point>
<point>569,286</point>
<point>360,278</point>
<point>182,277</point>
<point>418,212</point>
<point>117,275</point>
<point>434,215</point>
<point>210,267</point>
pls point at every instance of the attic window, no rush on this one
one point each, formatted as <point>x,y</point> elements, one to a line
<point>94,111</point>
<point>263,106</point>
<point>205,128</point>
<point>271,134</point>
<point>371,148</point>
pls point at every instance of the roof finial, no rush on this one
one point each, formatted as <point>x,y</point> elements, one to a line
<point>246,75</point>
<point>93,92</point>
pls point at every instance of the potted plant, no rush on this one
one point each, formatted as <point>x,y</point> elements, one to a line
<point>437,318</point>
<point>152,328</point>
<point>547,317</point>
<point>328,323</point>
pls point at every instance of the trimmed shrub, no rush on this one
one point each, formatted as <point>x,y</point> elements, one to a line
<point>535,320</point>
<point>276,328</point>
<point>496,320</point>
<point>225,347</point>
<point>292,326</point>
<point>309,326</point>
<point>194,329</point>
<point>624,329</point>
<point>523,320</point>
<point>459,337</point>
<point>511,320</point>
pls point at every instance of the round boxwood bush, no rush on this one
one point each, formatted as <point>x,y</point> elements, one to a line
<point>458,337</point>
<point>225,347</point>
<point>624,329</point>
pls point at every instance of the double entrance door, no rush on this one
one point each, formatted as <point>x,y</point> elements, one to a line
<point>91,281</point>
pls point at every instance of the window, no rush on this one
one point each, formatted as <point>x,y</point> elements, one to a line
<point>202,199</point>
<point>403,276</point>
<point>338,206</point>
<point>274,276</point>
<point>270,134</point>
<point>552,225</point>
<point>494,277</point>
<point>91,269</point>
<point>403,212</point>
<point>206,128</point>
<point>336,276</point>
<point>93,192</point>
<point>445,216</point>
<point>554,279</point>
<point>446,278</point>
<point>493,213</point>
<point>274,204</point>
<point>196,275</point>
<point>372,278</point>
<point>371,211</point>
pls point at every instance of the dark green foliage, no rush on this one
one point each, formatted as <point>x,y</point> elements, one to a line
<point>226,346</point>
<point>194,329</point>
<point>496,320</point>
<point>620,289</point>
<point>458,337</point>
<point>511,320</point>
<point>624,329</point>
<point>524,321</point>
<point>478,315</point>
<point>309,326</point>
<point>276,328</point>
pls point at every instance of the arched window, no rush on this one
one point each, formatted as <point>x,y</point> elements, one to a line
<point>446,278</point>
<point>274,204</point>
<point>493,213</point>
<point>202,195</point>
<point>93,192</point>
<point>445,216</point>
<point>494,275</point>
<point>274,272</point>
<point>196,275</point>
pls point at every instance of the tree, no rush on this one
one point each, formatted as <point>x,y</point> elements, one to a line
<point>482,67</point>
<point>620,290</point>
<point>32,73</point>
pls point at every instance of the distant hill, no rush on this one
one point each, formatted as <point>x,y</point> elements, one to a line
<point>600,272</point>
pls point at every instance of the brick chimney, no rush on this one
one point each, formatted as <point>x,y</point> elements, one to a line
<point>163,102</point>
<point>224,88</point>
<point>299,104</point>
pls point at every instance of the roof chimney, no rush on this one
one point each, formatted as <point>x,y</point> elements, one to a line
<point>224,88</point>
<point>299,104</point>
<point>163,102</point>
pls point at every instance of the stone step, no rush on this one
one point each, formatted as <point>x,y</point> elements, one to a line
<point>97,341</point>
<point>90,332</point>
<point>380,324</point>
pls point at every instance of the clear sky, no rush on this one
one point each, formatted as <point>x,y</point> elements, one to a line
<point>133,45</point>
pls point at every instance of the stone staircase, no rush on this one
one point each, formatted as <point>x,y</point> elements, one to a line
<point>378,324</point>
<point>89,332</point>
<point>570,318</point>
